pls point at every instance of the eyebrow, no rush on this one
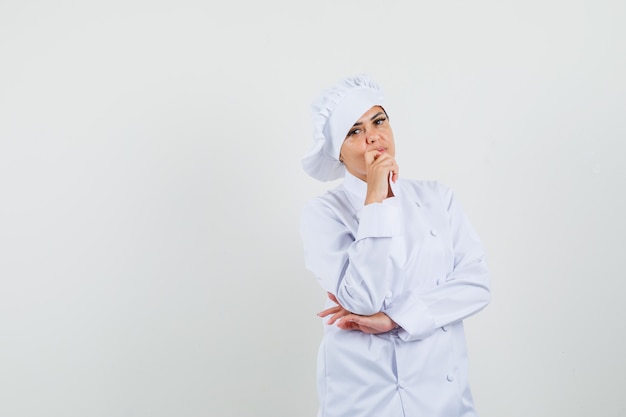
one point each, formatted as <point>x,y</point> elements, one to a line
<point>371,118</point>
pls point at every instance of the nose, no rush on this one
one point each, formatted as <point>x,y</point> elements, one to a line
<point>371,138</point>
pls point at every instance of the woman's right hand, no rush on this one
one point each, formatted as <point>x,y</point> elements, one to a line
<point>338,312</point>
<point>380,167</point>
<point>345,320</point>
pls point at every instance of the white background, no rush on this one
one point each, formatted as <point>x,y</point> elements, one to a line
<point>150,185</point>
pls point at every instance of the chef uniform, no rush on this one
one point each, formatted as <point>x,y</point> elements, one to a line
<point>415,257</point>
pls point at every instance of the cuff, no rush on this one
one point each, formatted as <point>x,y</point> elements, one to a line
<point>413,317</point>
<point>379,220</point>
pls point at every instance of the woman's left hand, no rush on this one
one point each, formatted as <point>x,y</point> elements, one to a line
<point>374,324</point>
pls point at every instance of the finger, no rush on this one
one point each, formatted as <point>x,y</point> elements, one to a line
<point>349,320</point>
<point>366,324</point>
<point>360,321</point>
<point>328,311</point>
<point>369,330</point>
<point>396,171</point>
<point>394,175</point>
<point>378,157</point>
<point>337,316</point>
<point>393,171</point>
<point>371,156</point>
<point>333,298</point>
<point>347,325</point>
<point>385,163</point>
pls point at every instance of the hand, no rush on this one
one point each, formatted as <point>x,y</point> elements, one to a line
<point>381,167</point>
<point>337,312</point>
<point>374,324</point>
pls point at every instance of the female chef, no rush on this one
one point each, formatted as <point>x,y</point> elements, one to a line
<point>400,262</point>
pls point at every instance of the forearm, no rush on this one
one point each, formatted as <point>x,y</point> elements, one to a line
<point>351,261</point>
<point>421,312</point>
<point>364,284</point>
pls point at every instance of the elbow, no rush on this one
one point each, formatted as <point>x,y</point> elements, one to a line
<point>484,297</point>
<point>361,304</point>
<point>366,310</point>
<point>481,281</point>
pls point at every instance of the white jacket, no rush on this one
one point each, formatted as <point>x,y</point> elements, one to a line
<point>416,258</point>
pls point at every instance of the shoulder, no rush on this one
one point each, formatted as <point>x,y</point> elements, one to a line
<point>331,201</point>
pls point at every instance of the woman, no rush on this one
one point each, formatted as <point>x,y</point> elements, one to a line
<point>400,262</point>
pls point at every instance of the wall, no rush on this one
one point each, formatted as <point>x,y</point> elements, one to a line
<point>151,263</point>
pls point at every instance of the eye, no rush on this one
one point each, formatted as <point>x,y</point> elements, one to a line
<point>353,132</point>
<point>380,120</point>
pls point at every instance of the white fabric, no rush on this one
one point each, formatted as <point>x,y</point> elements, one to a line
<point>417,258</point>
<point>333,114</point>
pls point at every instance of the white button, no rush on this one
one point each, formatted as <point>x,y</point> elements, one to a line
<point>389,294</point>
<point>438,281</point>
<point>450,377</point>
<point>433,232</point>
<point>400,385</point>
<point>444,328</point>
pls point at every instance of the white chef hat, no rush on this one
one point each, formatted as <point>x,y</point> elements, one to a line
<point>334,112</point>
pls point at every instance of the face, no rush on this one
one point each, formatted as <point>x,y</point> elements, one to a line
<point>371,133</point>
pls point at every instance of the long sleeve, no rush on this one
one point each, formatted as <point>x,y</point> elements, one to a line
<point>349,254</point>
<point>461,293</point>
